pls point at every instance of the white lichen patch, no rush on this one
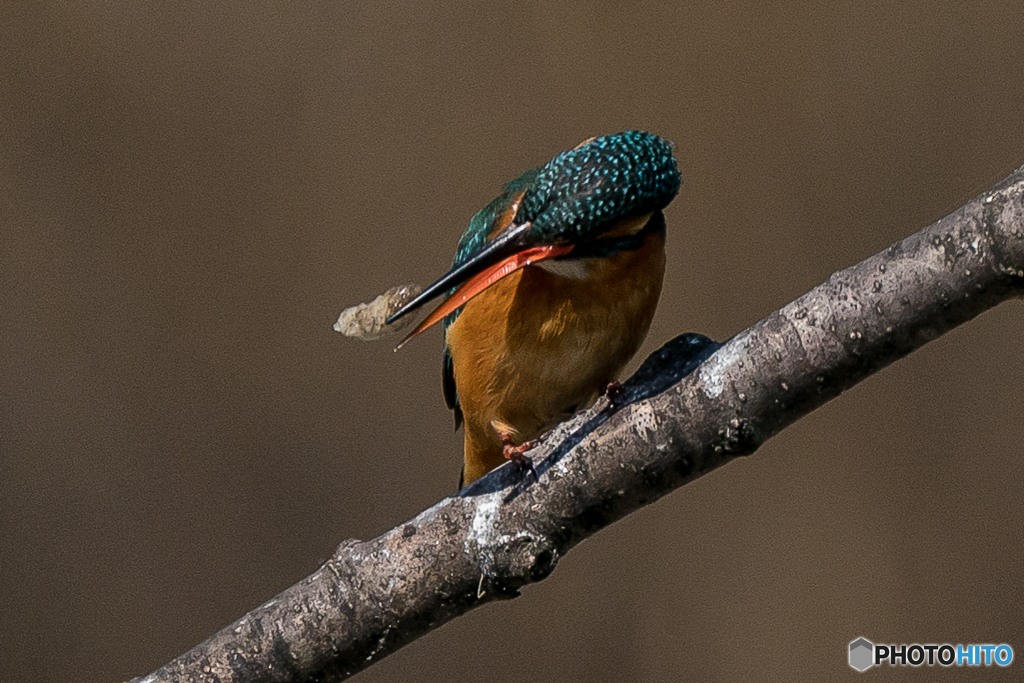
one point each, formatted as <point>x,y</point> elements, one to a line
<point>712,371</point>
<point>644,419</point>
<point>483,539</point>
<point>482,528</point>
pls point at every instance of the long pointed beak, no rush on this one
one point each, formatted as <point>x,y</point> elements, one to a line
<point>508,242</point>
<point>503,256</point>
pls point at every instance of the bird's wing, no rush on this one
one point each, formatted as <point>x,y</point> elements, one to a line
<point>482,227</point>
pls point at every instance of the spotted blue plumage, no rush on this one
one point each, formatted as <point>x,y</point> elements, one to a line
<point>575,197</point>
<point>582,191</point>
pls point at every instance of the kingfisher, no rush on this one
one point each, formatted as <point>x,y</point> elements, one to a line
<point>551,292</point>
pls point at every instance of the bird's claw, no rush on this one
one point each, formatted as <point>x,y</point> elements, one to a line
<point>614,392</point>
<point>517,456</point>
<point>524,464</point>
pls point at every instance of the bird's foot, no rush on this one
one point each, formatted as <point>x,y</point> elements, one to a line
<point>517,455</point>
<point>614,392</point>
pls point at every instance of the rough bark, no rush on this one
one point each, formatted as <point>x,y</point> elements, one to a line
<point>666,427</point>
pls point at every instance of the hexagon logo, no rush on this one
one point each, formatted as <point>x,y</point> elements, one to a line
<point>862,653</point>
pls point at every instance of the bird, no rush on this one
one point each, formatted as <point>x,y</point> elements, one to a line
<point>552,291</point>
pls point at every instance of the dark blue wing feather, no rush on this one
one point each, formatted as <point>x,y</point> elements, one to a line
<point>471,242</point>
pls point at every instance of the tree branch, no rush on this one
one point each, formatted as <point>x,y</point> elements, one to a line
<point>667,427</point>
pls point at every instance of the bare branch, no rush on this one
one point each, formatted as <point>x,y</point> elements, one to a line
<point>485,543</point>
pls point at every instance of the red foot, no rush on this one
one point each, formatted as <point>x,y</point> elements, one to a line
<point>517,454</point>
<point>614,392</point>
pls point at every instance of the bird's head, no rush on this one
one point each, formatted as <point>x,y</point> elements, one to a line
<point>569,209</point>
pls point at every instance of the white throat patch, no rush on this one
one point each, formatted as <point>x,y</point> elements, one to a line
<point>575,269</point>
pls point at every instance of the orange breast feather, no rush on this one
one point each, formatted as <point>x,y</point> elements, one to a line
<point>537,345</point>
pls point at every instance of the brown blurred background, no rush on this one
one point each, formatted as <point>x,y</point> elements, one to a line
<point>190,192</point>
